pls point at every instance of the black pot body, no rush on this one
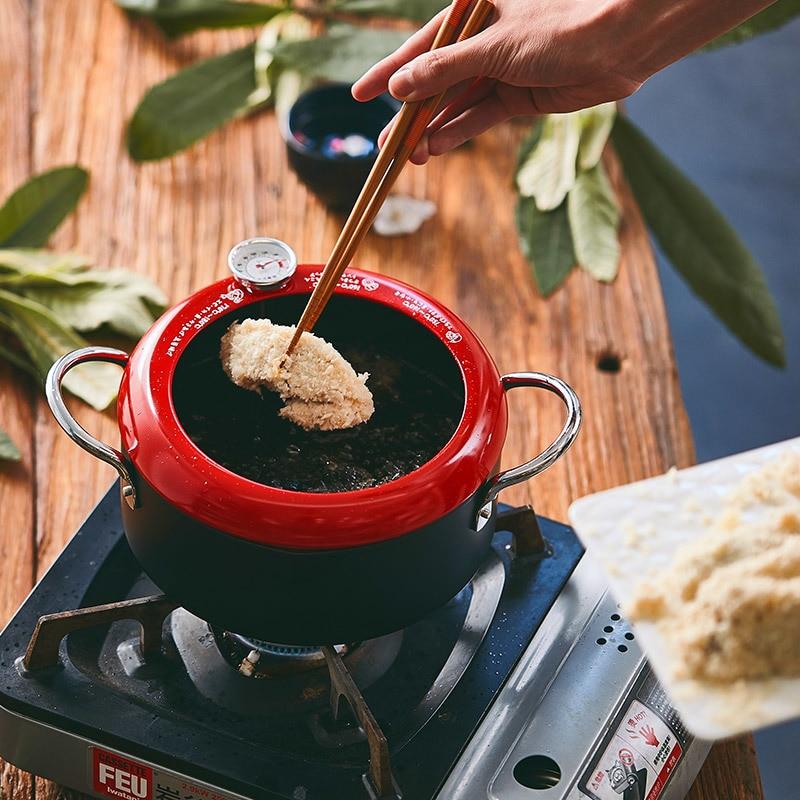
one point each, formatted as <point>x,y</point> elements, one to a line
<point>305,597</point>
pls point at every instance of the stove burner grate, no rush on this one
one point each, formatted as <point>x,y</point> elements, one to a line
<point>185,708</point>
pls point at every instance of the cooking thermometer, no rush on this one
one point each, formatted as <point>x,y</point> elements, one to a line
<point>261,263</point>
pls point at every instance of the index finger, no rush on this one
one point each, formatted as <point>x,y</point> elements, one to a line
<point>375,80</point>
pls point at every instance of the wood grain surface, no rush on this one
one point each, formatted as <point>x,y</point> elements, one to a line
<point>72,71</point>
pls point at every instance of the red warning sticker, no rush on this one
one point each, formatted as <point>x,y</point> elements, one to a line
<point>116,776</point>
<point>638,760</point>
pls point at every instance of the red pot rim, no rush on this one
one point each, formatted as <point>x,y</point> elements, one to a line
<point>164,456</point>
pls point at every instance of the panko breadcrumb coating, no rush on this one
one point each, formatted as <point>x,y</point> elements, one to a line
<point>318,386</point>
<point>730,601</point>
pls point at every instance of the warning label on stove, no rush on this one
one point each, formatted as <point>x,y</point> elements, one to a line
<point>117,776</point>
<point>639,756</point>
<point>169,786</point>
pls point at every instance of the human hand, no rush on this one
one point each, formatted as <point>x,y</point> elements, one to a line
<point>559,63</point>
<point>542,57</point>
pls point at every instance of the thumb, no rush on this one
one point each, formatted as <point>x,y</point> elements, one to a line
<point>437,70</point>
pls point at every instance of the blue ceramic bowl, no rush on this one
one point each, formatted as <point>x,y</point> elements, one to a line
<point>331,140</point>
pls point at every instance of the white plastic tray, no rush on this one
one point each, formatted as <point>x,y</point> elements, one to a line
<point>633,532</point>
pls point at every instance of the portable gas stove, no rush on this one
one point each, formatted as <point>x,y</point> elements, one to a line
<point>527,684</point>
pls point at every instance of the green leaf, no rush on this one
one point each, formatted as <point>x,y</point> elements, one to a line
<point>142,286</point>
<point>59,292</point>
<point>529,143</point>
<point>417,10</point>
<point>29,265</point>
<point>90,306</point>
<point>269,75</point>
<point>83,298</point>
<point>596,125</point>
<point>289,85</point>
<point>8,450</point>
<point>45,338</point>
<point>264,62</point>
<point>191,104</point>
<point>546,242</point>
<point>56,293</point>
<point>701,244</point>
<point>37,208</point>
<point>770,19</point>
<point>345,54</point>
<point>593,221</point>
<point>17,359</point>
<point>150,293</point>
<point>177,17</point>
<point>549,172</point>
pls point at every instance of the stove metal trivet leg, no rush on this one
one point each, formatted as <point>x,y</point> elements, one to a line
<point>527,539</point>
<point>149,612</point>
<point>379,779</point>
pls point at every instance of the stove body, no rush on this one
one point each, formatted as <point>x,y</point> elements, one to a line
<point>528,684</point>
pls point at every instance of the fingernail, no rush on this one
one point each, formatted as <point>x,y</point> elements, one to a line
<point>400,84</point>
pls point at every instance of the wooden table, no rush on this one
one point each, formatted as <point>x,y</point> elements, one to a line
<point>72,72</point>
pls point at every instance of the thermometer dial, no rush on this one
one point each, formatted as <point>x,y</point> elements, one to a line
<point>262,262</point>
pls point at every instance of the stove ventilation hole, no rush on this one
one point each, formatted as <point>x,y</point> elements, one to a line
<point>537,772</point>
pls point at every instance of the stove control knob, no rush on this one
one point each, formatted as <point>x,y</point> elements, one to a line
<point>262,263</point>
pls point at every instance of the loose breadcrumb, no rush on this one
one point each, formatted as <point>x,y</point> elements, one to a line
<point>729,603</point>
<point>319,388</point>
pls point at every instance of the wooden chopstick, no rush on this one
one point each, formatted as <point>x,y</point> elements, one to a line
<point>426,112</point>
<point>394,141</point>
<point>333,268</point>
<point>332,271</point>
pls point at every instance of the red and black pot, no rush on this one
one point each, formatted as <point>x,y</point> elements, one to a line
<point>301,567</point>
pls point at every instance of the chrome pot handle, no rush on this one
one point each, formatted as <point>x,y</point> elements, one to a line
<point>70,425</point>
<point>549,455</point>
